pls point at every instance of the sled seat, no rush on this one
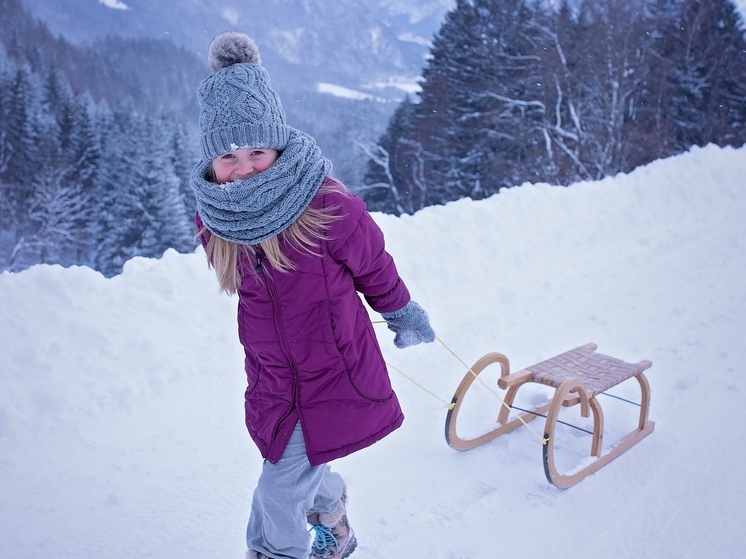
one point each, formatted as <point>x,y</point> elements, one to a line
<point>577,376</point>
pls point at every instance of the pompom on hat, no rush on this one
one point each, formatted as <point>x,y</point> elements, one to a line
<point>238,107</point>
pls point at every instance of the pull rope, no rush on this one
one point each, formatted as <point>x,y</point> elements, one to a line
<point>448,405</point>
<point>542,440</point>
<point>451,405</point>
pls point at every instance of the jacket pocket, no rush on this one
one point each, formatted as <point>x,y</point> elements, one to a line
<point>366,366</point>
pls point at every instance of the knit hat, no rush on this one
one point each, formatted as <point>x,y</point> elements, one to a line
<point>238,107</point>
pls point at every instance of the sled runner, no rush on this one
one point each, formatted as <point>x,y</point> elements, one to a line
<point>577,376</point>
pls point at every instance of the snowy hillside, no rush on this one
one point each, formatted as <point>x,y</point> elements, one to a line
<point>377,44</point>
<point>121,414</point>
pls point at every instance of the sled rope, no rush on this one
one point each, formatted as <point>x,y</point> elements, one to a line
<point>542,440</point>
<point>451,405</point>
<point>446,404</point>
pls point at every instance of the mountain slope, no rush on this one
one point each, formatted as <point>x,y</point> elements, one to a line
<point>353,43</point>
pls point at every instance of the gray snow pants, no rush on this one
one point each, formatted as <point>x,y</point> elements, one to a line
<point>285,494</point>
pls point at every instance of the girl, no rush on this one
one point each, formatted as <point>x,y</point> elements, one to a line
<point>297,248</point>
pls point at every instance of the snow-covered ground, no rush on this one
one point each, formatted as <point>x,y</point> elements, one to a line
<point>741,5</point>
<point>121,409</point>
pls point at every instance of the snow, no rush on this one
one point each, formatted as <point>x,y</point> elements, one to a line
<point>121,414</point>
<point>341,91</point>
<point>114,4</point>
<point>413,38</point>
<point>231,16</point>
<point>400,84</point>
<point>741,5</point>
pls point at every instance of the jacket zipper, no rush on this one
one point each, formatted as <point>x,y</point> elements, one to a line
<point>280,333</point>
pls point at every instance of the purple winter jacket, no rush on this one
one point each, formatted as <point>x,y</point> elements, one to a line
<point>311,352</point>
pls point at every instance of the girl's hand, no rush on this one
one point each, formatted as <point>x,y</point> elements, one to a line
<point>411,324</point>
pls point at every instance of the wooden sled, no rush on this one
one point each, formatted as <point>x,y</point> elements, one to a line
<point>577,376</point>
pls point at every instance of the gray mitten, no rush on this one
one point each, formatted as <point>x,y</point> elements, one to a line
<point>411,325</point>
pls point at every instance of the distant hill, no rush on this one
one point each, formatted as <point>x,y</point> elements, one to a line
<point>340,67</point>
<point>364,45</point>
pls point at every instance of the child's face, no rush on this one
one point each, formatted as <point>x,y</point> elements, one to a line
<point>242,163</point>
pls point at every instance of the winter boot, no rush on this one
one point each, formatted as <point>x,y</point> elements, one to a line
<point>334,538</point>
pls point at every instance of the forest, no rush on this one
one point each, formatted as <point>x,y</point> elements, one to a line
<point>94,158</point>
<point>514,93</point>
<point>97,143</point>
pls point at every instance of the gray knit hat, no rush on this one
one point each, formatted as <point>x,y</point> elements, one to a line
<point>238,107</point>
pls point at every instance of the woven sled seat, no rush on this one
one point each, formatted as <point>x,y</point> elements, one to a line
<point>598,372</point>
<point>578,376</point>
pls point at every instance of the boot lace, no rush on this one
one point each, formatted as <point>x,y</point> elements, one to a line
<point>323,540</point>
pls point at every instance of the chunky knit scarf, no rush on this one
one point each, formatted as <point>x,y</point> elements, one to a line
<point>252,210</point>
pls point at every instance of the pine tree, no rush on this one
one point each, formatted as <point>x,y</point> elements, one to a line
<point>6,149</point>
<point>713,74</point>
<point>23,140</point>
<point>164,219</point>
<point>144,210</point>
<point>383,177</point>
<point>86,162</point>
<point>697,92</point>
<point>119,215</point>
<point>58,102</point>
<point>56,207</point>
<point>183,157</point>
<point>475,130</point>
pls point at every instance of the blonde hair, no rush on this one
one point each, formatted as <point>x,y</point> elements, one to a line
<point>303,234</point>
